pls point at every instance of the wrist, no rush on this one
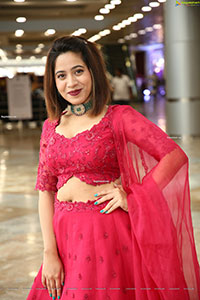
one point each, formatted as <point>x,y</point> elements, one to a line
<point>50,251</point>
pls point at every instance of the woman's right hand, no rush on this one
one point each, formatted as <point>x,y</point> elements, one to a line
<point>52,274</point>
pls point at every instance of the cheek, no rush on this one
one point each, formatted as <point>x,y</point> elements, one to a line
<point>59,85</point>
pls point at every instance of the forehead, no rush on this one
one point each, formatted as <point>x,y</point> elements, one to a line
<point>68,60</point>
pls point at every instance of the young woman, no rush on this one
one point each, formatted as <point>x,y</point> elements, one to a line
<point>114,200</point>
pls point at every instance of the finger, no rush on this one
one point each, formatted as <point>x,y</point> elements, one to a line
<point>44,281</point>
<point>53,288</point>
<point>112,208</point>
<point>108,206</point>
<point>62,278</point>
<point>58,288</point>
<point>102,193</point>
<point>104,198</point>
<point>49,287</point>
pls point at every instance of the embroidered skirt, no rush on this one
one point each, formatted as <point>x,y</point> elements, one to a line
<point>95,250</point>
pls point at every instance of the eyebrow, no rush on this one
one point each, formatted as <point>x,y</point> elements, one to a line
<point>77,66</point>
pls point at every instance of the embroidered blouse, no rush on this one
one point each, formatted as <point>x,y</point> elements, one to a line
<point>89,155</point>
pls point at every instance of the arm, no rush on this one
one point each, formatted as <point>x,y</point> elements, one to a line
<point>52,269</point>
<point>154,170</point>
<point>46,211</point>
<point>155,144</point>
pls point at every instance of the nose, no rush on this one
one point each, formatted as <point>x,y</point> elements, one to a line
<point>71,81</point>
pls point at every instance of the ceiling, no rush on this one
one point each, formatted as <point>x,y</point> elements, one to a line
<point>66,17</point>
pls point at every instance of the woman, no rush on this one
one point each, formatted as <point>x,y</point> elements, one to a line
<point>114,199</point>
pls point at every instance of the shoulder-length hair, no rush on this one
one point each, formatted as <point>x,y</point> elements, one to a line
<point>92,57</point>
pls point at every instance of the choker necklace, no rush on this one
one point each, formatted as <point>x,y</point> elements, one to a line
<point>80,109</point>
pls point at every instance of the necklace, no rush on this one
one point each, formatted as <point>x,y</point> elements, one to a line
<point>80,109</point>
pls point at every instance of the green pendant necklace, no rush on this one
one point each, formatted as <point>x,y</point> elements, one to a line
<point>80,109</point>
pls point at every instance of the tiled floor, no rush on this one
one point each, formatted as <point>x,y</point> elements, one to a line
<point>20,237</point>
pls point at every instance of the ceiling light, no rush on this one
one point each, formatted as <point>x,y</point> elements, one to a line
<point>142,31</point>
<point>116,2</point>
<point>18,58</point>
<point>146,8</point>
<point>18,46</point>
<point>149,29</point>
<point>126,22</point>
<point>116,27</point>
<point>104,32</point>
<point>138,16</point>
<point>132,19</point>
<point>79,31</point>
<point>104,11</point>
<point>19,0</point>
<point>99,17</point>
<point>157,26</point>
<point>121,25</point>
<point>161,1</point>
<point>133,35</point>
<point>127,37</point>
<point>154,4</point>
<point>19,50</point>
<point>121,41</point>
<point>37,50</point>
<point>94,38</point>
<point>32,57</point>
<point>110,6</point>
<point>107,31</point>
<point>49,32</point>
<point>71,0</point>
<point>21,19</point>
<point>19,32</point>
<point>41,45</point>
<point>82,30</point>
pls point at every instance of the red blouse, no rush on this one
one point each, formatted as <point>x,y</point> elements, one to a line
<point>89,155</point>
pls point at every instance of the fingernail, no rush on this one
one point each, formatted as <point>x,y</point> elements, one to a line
<point>54,298</point>
<point>58,297</point>
<point>96,195</point>
<point>50,295</point>
<point>96,203</point>
<point>102,211</point>
<point>63,283</point>
<point>106,212</point>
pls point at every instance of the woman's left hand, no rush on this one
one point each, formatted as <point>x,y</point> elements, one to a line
<point>117,196</point>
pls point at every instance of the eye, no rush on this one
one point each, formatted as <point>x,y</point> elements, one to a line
<point>60,76</point>
<point>79,72</point>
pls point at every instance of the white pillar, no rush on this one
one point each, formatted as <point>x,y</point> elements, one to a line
<point>182,63</point>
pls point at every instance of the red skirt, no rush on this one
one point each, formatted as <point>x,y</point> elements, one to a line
<point>95,250</point>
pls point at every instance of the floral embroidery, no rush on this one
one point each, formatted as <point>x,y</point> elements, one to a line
<point>90,155</point>
<point>78,207</point>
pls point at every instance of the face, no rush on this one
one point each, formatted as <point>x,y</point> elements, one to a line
<point>72,77</point>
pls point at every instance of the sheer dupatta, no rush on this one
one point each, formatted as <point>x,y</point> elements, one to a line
<point>154,173</point>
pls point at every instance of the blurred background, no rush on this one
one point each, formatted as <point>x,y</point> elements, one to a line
<point>155,44</point>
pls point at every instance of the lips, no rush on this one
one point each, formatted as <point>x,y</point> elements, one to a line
<point>75,92</point>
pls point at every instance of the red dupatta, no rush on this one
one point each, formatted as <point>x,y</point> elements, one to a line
<point>154,173</point>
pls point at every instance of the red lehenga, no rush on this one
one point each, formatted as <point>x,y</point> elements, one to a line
<point>147,253</point>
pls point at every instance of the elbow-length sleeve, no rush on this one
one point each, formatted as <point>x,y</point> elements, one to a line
<point>154,173</point>
<point>46,180</point>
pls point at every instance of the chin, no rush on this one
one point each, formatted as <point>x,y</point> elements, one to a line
<point>76,102</point>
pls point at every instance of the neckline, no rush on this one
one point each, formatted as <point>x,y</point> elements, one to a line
<point>84,131</point>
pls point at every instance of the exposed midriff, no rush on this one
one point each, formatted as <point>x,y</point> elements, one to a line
<point>79,191</point>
